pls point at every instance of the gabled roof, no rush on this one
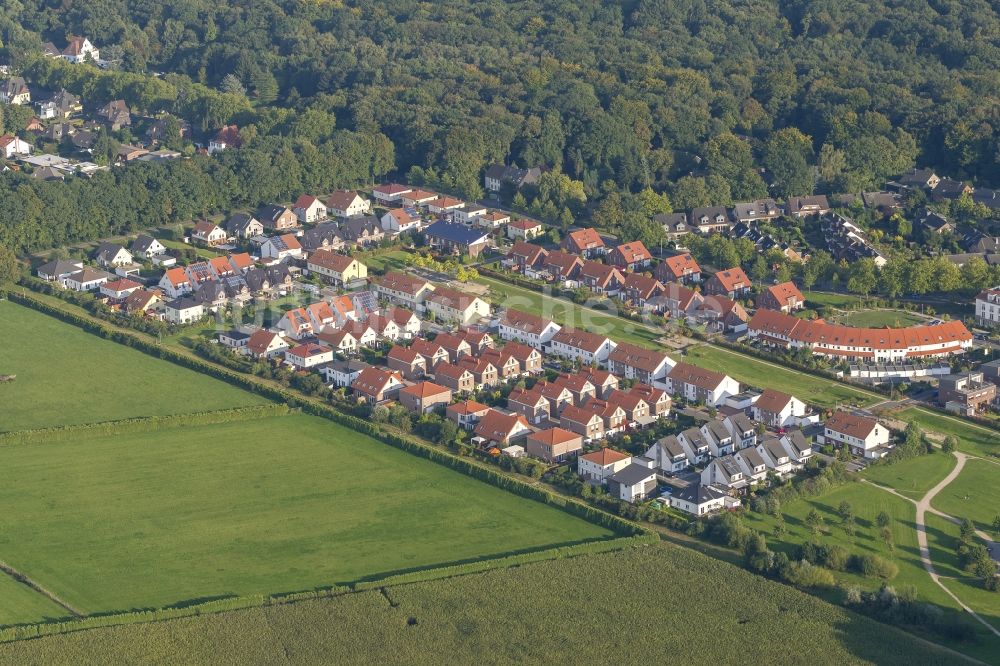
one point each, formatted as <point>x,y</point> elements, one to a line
<point>391,189</point>
<point>565,262</point>
<point>579,415</point>
<point>772,401</point>
<point>605,457</point>
<point>852,425</point>
<point>644,285</point>
<point>732,279</point>
<point>579,339</point>
<point>700,377</point>
<point>785,292</point>
<point>456,233</point>
<point>553,437</point>
<point>373,381</point>
<point>635,356</point>
<point>177,276</point>
<point>584,239</point>
<point>331,260</point>
<point>532,253</point>
<point>406,355</point>
<point>451,298</point>
<point>341,199</point>
<point>633,252</point>
<point>403,282</point>
<point>682,264</point>
<point>307,350</point>
<point>600,273</point>
<point>425,390</point>
<point>306,201</point>
<point>451,371</point>
<point>260,340</point>
<point>467,407</point>
<point>497,426</point>
<point>525,322</point>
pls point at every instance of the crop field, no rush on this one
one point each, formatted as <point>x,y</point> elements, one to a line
<point>913,477</point>
<point>810,388</point>
<point>269,505</point>
<point>975,494</point>
<point>973,439</point>
<point>508,615</point>
<point>66,376</point>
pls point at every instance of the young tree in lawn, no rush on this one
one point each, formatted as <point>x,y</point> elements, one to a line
<point>883,519</point>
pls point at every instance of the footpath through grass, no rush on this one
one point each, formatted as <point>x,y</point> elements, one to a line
<point>975,495</point>
<point>974,439</point>
<point>270,505</point>
<point>601,600</point>
<point>913,477</point>
<point>67,376</point>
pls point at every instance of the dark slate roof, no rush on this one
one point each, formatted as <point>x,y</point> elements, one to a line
<point>699,494</point>
<point>455,233</point>
<point>632,475</point>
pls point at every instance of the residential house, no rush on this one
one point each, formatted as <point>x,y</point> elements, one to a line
<point>119,290</point>
<point>966,393</point>
<point>406,321</point>
<point>466,414</point>
<point>470,213</point>
<point>784,297</point>
<point>385,327</point>
<point>562,267</point>
<point>404,289</point>
<point>456,345</point>
<point>642,291</point>
<point>399,220</point>
<point>58,270</point>
<point>114,115</point>
<point>126,153</point>
<point>743,430</point>
<point>583,422</point>
<point>363,333</point>
<point>752,463</point>
<point>778,410</point>
<point>586,243</point>
<point>720,441</point>
<point>798,447</point>
<point>501,429</point>
<point>175,282</point>
<point>722,314</point>
<point>451,238</point>
<point>678,302</point>
<point>726,473</point>
<point>698,499</point>
<point>668,454</point>
<point>581,388</point>
<point>458,378</point>
<point>142,302</point>
<point>309,209</point>
<point>950,189</point>
<point>612,415</point>
<point>529,403</point>
<point>554,445</point>
<point>80,49</point>
<point>337,269</point>
<point>988,307</point>
<point>524,229</point>
<point>700,385</point>
<point>679,268</point>
<point>61,106</point>
<point>757,211</point>
<point>390,193</point>
<point>281,248</point>
<point>432,353</point>
<point>499,176</point>
<point>308,355</point>
<point>658,400</point>
<point>604,382</point>
<point>443,205</point>
<point>479,340</point>
<point>11,145</point>
<point>601,278</point>
<point>376,385</point>
<point>921,179</point>
<point>183,310</point>
<point>308,320</point>
<point>87,279</point>
<point>732,283</point>
<point>147,246</point>
<point>341,374</point>
<point>243,225</point>
<point>208,234</point>
<point>362,230</point>
<point>424,397</point>
<point>529,359</point>
<point>558,395</point>
<point>449,305</point>
<point>264,344</point>
<point>277,218</point>
<point>324,236</point>
<point>775,456</point>
<point>599,466</point>
<point>635,362</point>
<point>341,341</point>
<point>485,373</point>
<point>710,219</point>
<point>14,91</point>
<point>632,256</point>
<point>583,346</point>
<point>633,484</point>
<point>675,226</point>
<point>417,197</point>
<point>227,137</point>
<point>526,258</point>
<point>407,362</point>
<point>234,339</point>
<point>807,206</point>
<point>529,329</point>
<point>507,366</point>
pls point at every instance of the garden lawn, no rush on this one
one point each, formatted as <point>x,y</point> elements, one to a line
<point>566,313</point>
<point>509,615</point>
<point>830,299</point>
<point>747,369</point>
<point>975,494</point>
<point>974,439</point>
<point>384,260</point>
<point>913,477</point>
<point>19,604</point>
<point>261,506</point>
<point>881,318</point>
<point>66,376</point>
<point>867,502</point>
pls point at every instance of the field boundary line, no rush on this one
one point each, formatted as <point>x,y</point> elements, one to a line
<point>37,587</point>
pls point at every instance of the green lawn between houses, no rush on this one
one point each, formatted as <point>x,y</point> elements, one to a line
<point>974,494</point>
<point>973,439</point>
<point>913,477</point>
<point>66,376</point>
<point>880,318</point>
<point>264,506</point>
<point>639,604</point>
<point>19,604</point>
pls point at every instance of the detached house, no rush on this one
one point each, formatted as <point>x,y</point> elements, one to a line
<point>183,310</point>
<point>631,256</point>
<point>424,397</point>
<point>725,472</point>
<point>634,483</point>
<point>362,230</point>
<point>80,49</point>
<point>807,206</point>
<point>452,238</point>
<point>277,218</point>
<point>112,254</point>
<point>699,499</point>
<point>346,203</point>
<point>399,220</point>
<point>227,137</point>
<point>147,246</point>
<point>583,346</point>
<point>450,305</point>
<point>700,385</point>
<point>14,91</point>
<point>309,209</point>
<point>778,410</point>
<point>501,429</point>
<point>308,355</point>
<point>208,234</point>
<point>668,455</point>
<point>524,229</point>
<point>599,466</point>
<point>87,279</point>
<point>679,268</point>
<point>376,385</point>
<point>115,115</point>
<point>584,242</point>
<point>337,269</point>
<point>499,175</point>
<point>466,414</point>
<point>554,445</point>
<point>710,220</point>
<point>175,282</point>
<point>390,193</point>
<point>864,435</point>
<point>242,225</point>
<point>58,270</point>
<point>732,283</point>
<point>264,344</point>
<point>282,247</point>
<point>784,297</point>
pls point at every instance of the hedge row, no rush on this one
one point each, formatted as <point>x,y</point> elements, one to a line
<point>409,444</point>
<point>143,424</point>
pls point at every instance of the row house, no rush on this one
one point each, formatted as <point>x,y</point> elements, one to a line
<point>583,422</point>
<point>604,382</point>
<point>719,438</point>
<point>432,352</point>
<point>726,473</point>
<point>526,258</point>
<point>695,445</point>
<point>501,429</point>
<point>637,410</point>
<point>456,377</point>
<point>635,362</point>
<point>530,403</point>
<point>752,463</point>
<point>336,269</point>
<point>403,289</point>
<point>700,385</point>
<point>563,268</point>
<point>483,372</point>
<point>600,278</point>
<point>407,362</point>
<point>456,345</point>
<point>612,415</point>
<point>743,430</point>
<point>642,291</point>
<point>449,305</point>
<point>669,455</point>
<point>527,328</point>
<point>658,400</point>
<point>583,346</point>
<point>507,366</point>
<point>377,385</point>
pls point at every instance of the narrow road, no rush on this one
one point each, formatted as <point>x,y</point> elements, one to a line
<point>923,506</point>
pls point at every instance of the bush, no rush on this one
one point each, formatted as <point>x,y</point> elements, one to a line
<point>837,558</point>
<point>873,566</point>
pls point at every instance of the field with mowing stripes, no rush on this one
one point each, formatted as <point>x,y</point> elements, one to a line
<point>19,604</point>
<point>261,506</point>
<point>66,376</point>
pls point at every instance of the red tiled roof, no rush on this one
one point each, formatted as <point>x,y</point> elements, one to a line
<point>772,401</point>
<point>583,239</point>
<point>851,424</point>
<point>425,390</point>
<point>682,264</point>
<point>633,252</point>
<point>553,437</point>
<point>700,377</point>
<point>580,339</point>
<point>733,279</point>
<point>331,260</point>
<point>605,457</point>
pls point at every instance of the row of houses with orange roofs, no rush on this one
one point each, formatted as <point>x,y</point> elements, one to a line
<point>846,343</point>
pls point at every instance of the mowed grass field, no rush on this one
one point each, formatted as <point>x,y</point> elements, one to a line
<point>913,477</point>
<point>974,439</point>
<point>880,318</point>
<point>66,376</point>
<point>19,604</point>
<point>638,604</point>
<point>810,388</point>
<point>263,506</point>
<point>974,494</point>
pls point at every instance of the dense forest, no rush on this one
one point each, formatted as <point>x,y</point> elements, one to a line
<point>711,101</point>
